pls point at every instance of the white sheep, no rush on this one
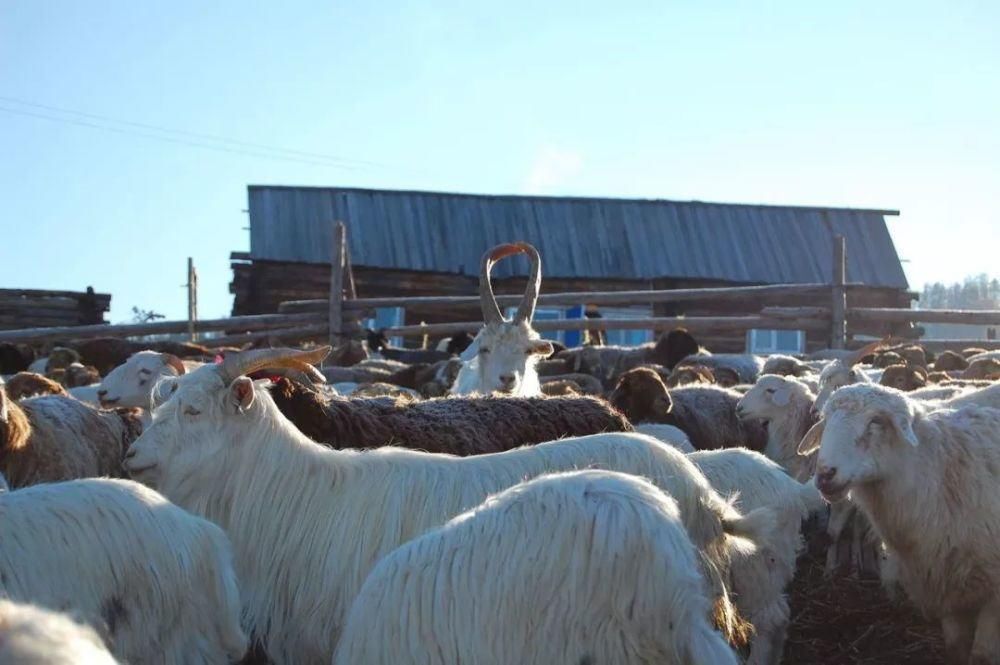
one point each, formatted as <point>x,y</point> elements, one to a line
<point>929,481</point>
<point>668,434</point>
<point>503,354</point>
<point>32,635</point>
<point>121,557</point>
<point>131,383</point>
<point>844,371</point>
<point>785,404</point>
<point>615,580</point>
<point>759,577</point>
<point>308,523</point>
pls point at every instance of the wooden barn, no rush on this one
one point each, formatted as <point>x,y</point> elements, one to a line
<point>37,308</point>
<point>409,243</point>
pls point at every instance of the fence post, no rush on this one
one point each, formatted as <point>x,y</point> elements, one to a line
<point>337,265</point>
<point>192,294</point>
<point>838,309</point>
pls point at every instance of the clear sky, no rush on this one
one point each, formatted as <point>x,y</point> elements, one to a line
<point>887,104</point>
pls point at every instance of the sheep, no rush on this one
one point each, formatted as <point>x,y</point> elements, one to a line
<point>615,580</point>
<point>587,384</point>
<point>982,368</point>
<point>29,384</point>
<point>78,376</point>
<point>668,434</point>
<point>32,635</point>
<point>349,353</point>
<point>736,367</point>
<point>503,354</point>
<point>904,377</point>
<point>379,343</point>
<point>455,344</point>
<point>609,363</point>
<point>456,425</point>
<point>52,438</point>
<point>130,384</point>
<point>688,374</point>
<point>107,353</point>
<point>368,390</point>
<point>929,481</point>
<point>304,547</point>
<point>949,361</point>
<point>783,365</point>
<point>785,404</point>
<point>119,555</point>
<point>707,414</point>
<point>759,578</point>
<point>15,358</point>
<point>974,352</point>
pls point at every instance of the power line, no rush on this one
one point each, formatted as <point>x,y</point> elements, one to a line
<point>242,147</point>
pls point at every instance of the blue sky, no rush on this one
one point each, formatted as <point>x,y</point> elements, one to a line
<point>848,104</point>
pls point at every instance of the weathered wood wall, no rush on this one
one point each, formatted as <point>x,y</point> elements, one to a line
<point>34,308</point>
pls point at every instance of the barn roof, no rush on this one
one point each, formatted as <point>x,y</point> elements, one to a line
<point>577,237</point>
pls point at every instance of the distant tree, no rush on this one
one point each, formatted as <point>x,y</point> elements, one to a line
<point>974,292</point>
<point>145,315</point>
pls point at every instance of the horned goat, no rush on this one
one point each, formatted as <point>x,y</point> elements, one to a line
<point>615,580</point>
<point>503,354</point>
<point>707,414</point>
<point>122,557</point>
<point>929,481</point>
<point>304,548</point>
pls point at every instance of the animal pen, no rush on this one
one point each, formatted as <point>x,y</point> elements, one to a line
<point>831,323</point>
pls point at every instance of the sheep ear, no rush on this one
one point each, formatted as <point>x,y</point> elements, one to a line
<point>904,426</point>
<point>170,360</point>
<point>810,442</point>
<point>781,397</point>
<point>241,393</point>
<point>540,348</point>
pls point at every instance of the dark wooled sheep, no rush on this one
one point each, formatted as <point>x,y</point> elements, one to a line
<point>982,368</point>
<point>783,365</point>
<point>690,374</point>
<point>456,425</point>
<point>904,377</point>
<point>29,384</point>
<point>973,351</point>
<point>77,376</point>
<point>949,361</point>
<point>707,414</point>
<point>379,343</point>
<point>15,358</point>
<point>106,353</point>
<point>608,363</point>
<point>56,438</point>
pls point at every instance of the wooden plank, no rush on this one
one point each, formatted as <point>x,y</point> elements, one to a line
<point>317,331</point>
<point>243,323</point>
<point>797,312</point>
<point>838,307</point>
<point>938,345</point>
<point>335,317</point>
<point>894,315</point>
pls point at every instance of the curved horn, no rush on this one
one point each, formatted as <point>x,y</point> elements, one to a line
<point>488,301</point>
<point>236,365</point>
<point>526,310</point>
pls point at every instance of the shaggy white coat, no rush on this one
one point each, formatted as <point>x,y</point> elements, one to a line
<point>31,635</point>
<point>308,523</point>
<point>759,578</point>
<point>615,580</point>
<point>119,556</point>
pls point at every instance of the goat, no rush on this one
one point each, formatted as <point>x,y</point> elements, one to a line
<point>503,354</point>
<point>491,591</point>
<point>304,549</point>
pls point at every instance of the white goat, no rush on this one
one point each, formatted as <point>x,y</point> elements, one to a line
<point>929,481</point>
<point>35,636</point>
<point>120,556</point>
<point>503,354</point>
<point>308,523</point>
<point>759,577</point>
<point>615,580</point>
<point>131,383</point>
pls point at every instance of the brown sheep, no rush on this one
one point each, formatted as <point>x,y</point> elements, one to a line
<point>456,425</point>
<point>608,363</point>
<point>726,377</point>
<point>561,388</point>
<point>688,374</point>
<point>56,438</point>
<point>585,383</point>
<point>983,368</point>
<point>29,384</point>
<point>904,377</point>
<point>973,351</point>
<point>783,365</point>
<point>887,359</point>
<point>15,358</point>
<point>77,376</point>
<point>949,361</point>
<point>914,355</point>
<point>707,414</point>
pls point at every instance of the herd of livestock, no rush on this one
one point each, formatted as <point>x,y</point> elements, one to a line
<point>496,499</point>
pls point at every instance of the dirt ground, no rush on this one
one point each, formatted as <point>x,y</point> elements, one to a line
<point>847,621</point>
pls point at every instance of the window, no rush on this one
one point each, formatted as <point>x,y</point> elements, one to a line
<point>387,317</point>
<point>776,341</point>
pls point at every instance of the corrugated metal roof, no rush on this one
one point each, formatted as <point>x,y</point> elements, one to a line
<point>577,237</point>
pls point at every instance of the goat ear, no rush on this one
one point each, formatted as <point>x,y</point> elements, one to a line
<point>811,441</point>
<point>241,393</point>
<point>904,427</point>
<point>782,396</point>
<point>540,348</point>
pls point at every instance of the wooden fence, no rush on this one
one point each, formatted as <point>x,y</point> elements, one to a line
<point>337,317</point>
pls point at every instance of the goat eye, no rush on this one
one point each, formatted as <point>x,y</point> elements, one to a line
<point>191,411</point>
<point>770,391</point>
<point>483,350</point>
